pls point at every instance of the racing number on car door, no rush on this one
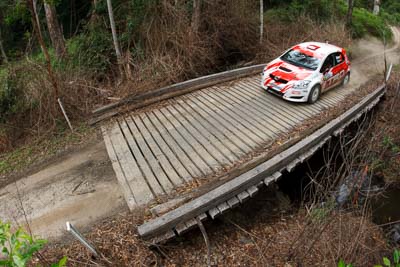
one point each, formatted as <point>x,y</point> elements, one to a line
<point>332,70</point>
<point>339,68</point>
<point>327,72</point>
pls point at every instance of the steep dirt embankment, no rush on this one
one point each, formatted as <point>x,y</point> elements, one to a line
<point>81,187</point>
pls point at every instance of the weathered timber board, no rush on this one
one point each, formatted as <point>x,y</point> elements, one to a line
<point>201,133</point>
<point>226,191</point>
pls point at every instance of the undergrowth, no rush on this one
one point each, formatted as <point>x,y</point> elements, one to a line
<point>363,23</point>
<point>159,48</point>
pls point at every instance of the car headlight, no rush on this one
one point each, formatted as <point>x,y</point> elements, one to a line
<point>301,84</point>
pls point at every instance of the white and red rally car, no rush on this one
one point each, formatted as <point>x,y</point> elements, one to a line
<point>305,71</point>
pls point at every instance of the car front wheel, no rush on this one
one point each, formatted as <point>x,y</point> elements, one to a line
<point>314,94</point>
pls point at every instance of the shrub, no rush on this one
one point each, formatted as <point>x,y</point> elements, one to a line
<point>391,18</point>
<point>365,22</point>
<point>11,101</point>
<point>18,247</point>
<point>321,10</point>
<point>92,50</point>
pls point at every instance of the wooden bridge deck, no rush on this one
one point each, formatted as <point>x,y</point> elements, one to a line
<point>200,133</point>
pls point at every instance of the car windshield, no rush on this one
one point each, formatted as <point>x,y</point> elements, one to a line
<point>300,59</point>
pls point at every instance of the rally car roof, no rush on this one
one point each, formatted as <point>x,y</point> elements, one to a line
<point>318,48</point>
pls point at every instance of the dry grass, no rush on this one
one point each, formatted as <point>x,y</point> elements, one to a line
<point>170,52</point>
<point>278,38</point>
<point>263,234</point>
<point>384,137</point>
<point>38,115</point>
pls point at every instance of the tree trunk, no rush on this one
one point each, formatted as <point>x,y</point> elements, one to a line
<point>261,21</point>
<point>349,20</point>
<point>56,36</point>
<point>376,7</point>
<point>36,28</point>
<point>196,15</point>
<point>114,31</point>
<point>3,52</point>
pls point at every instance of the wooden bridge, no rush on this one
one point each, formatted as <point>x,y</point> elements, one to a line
<point>222,130</point>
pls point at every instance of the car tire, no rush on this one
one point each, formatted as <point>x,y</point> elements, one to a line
<point>346,79</point>
<point>314,94</point>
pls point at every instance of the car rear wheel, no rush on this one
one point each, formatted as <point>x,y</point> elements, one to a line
<point>314,94</point>
<point>346,79</point>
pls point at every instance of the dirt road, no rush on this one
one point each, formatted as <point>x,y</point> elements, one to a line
<point>81,187</point>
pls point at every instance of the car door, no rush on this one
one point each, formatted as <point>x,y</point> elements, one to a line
<point>339,70</point>
<point>333,70</point>
<point>327,72</point>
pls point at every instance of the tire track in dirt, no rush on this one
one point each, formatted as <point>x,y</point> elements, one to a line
<point>369,57</point>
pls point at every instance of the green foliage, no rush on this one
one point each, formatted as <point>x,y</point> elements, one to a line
<point>10,95</point>
<point>17,247</point>
<point>92,50</point>
<point>135,16</point>
<point>318,214</point>
<point>392,6</point>
<point>343,264</point>
<point>386,261</point>
<point>393,19</point>
<point>15,12</point>
<point>389,144</point>
<point>320,10</point>
<point>365,22</point>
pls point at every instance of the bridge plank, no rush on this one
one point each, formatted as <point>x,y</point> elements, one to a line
<point>233,202</point>
<point>214,137</point>
<point>243,196</point>
<point>253,190</point>
<point>280,119</point>
<point>232,117</point>
<point>214,128</point>
<point>236,114</point>
<point>219,124</point>
<point>267,113</point>
<point>214,212</point>
<point>275,106</point>
<point>190,166</point>
<point>204,147</point>
<point>144,166</point>
<point>223,207</point>
<point>230,123</point>
<point>185,141</point>
<point>255,175</point>
<point>245,113</point>
<point>153,162</point>
<point>124,185</point>
<point>173,176</point>
<point>141,191</point>
<point>181,88</point>
<point>165,150</point>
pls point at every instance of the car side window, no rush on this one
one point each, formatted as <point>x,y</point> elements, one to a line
<point>339,58</point>
<point>328,64</point>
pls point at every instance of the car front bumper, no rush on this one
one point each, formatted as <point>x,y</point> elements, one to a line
<point>289,95</point>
